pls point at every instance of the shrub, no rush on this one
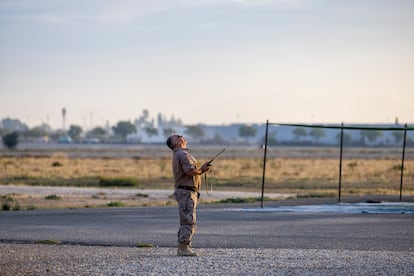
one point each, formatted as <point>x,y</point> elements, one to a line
<point>8,198</point>
<point>397,167</point>
<point>115,204</point>
<point>353,165</point>
<point>317,195</point>
<point>5,206</point>
<point>243,200</point>
<point>11,140</point>
<point>53,197</point>
<point>57,164</point>
<point>8,202</point>
<point>118,182</point>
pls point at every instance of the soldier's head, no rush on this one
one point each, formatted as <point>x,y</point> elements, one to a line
<point>176,140</point>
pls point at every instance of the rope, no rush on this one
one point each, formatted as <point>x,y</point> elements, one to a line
<point>211,173</point>
<point>206,182</point>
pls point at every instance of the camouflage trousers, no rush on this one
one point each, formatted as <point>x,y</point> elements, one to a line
<point>187,204</point>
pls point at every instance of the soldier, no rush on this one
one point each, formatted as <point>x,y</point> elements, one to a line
<point>187,182</point>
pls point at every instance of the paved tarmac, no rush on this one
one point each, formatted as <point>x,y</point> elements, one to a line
<point>231,242</point>
<point>219,226</point>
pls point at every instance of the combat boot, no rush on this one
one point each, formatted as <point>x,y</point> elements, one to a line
<point>185,250</point>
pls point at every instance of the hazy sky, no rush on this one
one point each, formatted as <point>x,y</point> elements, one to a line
<point>207,61</point>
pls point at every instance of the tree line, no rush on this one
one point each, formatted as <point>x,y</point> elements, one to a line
<point>12,131</point>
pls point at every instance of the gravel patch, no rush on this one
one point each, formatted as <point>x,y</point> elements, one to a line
<point>41,259</point>
<point>33,197</point>
<point>125,193</point>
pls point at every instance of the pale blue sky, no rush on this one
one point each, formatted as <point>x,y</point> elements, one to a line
<point>207,61</point>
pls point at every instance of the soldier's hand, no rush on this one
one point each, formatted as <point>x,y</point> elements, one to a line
<point>206,166</point>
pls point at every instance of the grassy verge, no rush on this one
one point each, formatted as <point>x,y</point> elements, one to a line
<point>305,177</point>
<point>84,181</point>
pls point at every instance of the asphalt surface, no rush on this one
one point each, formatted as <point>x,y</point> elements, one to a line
<point>218,226</point>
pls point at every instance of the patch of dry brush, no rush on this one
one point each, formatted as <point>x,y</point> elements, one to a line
<point>285,174</point>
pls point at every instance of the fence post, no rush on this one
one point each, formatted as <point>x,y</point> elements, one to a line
<point>264,163</point>
<point>402,161</point>
<point>340,162</point>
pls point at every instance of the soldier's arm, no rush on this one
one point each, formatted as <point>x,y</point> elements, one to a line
<point>204,168</point>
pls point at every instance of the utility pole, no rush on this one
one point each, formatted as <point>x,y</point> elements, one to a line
<point>64,119</point>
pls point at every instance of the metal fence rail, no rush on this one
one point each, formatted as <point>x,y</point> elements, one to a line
<point>342,127</point>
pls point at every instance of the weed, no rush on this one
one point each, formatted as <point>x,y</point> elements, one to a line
<point>47,242</point>
<point>352,165</point>
<point>115,204</point>
<point>53,197</point>
<point>316,195</point>
<point>143,245</point>
<point>10,198</point>
<point>118,182</point>
<point>163,166</point>
<point>11,206</point>
<point>57,164</point>
<point>5,206</point>
<point>242,200</point>
<point>100,195</point>
<point>397,168</point>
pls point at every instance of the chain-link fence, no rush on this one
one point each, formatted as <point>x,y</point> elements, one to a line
<point>350,160</point>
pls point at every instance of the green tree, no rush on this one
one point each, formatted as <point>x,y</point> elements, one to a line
<point>75,132</point>
<point>346,139</point>
<point>398,136</point>
<point>97,132</point>
<point>151,131</point>
<point>317,133</point>
<point>195,132</point>
<point>168,131</point>
<point>36,132</point>
<point>11,140</point>
<point>218,139</point>
<point>371,135</point>
<point>123,128</point>
<point>55,135</point>
<point>13,125</point>
<point>3,131</point>
<point>271,140</point>
<point>299,132</point>
<point>247,131</point>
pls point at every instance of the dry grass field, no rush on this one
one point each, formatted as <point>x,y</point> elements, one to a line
<point>312,175</point>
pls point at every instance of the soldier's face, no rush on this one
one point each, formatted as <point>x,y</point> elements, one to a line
<point>180,141</point>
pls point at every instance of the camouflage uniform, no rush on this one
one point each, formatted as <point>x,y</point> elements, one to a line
<point>186,192</point>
